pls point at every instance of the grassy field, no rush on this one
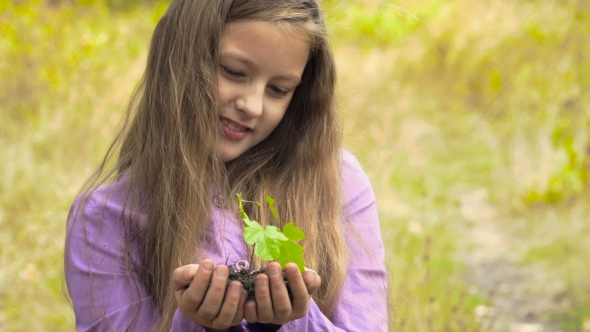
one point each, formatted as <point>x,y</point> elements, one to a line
<point>471,118</point>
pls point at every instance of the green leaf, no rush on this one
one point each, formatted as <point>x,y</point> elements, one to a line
<point>268,240</point>
<point>293,233</point>
<point>253,232</point>
<point>292,252</point>
<point>271,205</point>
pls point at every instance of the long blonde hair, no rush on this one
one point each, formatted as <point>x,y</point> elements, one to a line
<point>166,151</point>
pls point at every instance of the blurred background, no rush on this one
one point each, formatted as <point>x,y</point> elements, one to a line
<point>471,118</point>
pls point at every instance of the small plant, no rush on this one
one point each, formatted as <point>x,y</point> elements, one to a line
<point>270,243</point>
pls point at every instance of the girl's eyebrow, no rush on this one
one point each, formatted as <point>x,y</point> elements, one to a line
<point>237,56</point>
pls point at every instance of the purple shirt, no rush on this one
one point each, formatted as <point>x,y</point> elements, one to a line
<point>96,269</point>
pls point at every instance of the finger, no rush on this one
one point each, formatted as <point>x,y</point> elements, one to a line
<point>250,312</point>
<point>263,300</point>
<point>182,276</point>
<point>181,279</point>
<point>230,304</point>
<point>312,281</point>
<point>193,296</point>
<point>240,311</point>
<point>281,304</point>
<point>298,290</point>
<point>215,294</point>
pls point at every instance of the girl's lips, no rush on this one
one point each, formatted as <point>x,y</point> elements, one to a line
<point>233,130</point>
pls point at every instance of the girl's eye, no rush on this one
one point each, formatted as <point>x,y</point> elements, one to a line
<point>278,91</point>
<point>231,72</point>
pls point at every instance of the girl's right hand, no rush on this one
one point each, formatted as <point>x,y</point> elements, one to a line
<point>201,295</point>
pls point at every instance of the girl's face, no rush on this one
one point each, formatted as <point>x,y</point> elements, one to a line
<point>261,65</point>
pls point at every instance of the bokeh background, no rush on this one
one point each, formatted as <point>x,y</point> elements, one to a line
<point>471,118</point>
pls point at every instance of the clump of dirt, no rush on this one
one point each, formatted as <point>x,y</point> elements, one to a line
<point>247,278</point>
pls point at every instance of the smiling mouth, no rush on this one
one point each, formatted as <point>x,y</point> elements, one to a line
<point>233,130</point>
<point>233,125</point>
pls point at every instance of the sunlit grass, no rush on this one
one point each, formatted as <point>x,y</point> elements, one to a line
<point>439,100</point>
<point>66,74</point>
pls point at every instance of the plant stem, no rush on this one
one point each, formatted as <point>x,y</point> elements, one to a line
<point>259,212</point>
<point>252,257</point>
<point>254,246</point>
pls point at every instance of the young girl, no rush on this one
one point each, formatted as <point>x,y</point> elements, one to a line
<point>237,97</point>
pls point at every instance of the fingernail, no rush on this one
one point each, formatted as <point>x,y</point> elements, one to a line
<point>251,308</point>
<point>273,270</point>
<point>307,275</point>
<point>261,282</point>
<point>222,272</point>
<point>235,288</point>
<point>208,265</point>
<point>292,269</point>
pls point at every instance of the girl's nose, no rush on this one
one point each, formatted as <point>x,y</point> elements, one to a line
<point>250,101</point>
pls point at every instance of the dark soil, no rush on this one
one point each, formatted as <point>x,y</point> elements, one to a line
<point>247,279</point>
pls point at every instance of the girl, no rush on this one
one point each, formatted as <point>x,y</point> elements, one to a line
<point>237,97</point>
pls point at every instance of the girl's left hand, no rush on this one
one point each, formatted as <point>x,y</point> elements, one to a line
<point>273,305</point>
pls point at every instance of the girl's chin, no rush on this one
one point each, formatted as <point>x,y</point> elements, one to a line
<point>230,150</point>
<point>229,155</point>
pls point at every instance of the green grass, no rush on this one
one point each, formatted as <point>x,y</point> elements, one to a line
<point>439,99</point>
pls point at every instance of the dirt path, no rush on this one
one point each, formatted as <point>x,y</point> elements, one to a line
<point>495,272</point>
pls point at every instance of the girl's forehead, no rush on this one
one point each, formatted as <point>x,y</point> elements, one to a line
<point>264,35</point>
<point>281,29</point>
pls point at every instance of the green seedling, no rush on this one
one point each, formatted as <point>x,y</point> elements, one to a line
<point>270,243</point>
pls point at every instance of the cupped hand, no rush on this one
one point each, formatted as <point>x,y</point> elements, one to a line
<point>202,295</point>
<point>273,305</point>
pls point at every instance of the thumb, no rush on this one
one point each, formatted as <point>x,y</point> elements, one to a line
<point>312,280</point>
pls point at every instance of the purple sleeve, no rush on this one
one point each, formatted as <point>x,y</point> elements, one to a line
<point>362,305</point>
<point>103,295</point>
